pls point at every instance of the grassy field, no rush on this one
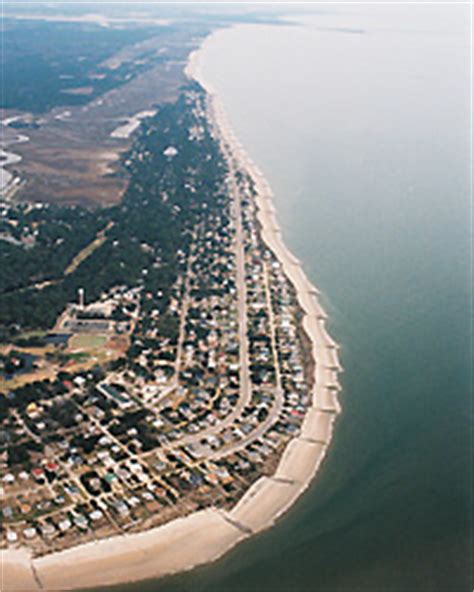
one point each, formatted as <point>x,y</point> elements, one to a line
<point>86,341</point>
<point>84,351</point>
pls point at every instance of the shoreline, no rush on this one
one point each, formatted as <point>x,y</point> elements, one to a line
<point>8,179</point>
<point>318,424</point>
<point>204,536</point>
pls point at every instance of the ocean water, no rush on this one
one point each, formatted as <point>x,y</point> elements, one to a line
<point>359,116</point>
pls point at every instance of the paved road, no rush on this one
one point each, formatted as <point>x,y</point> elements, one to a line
<point>278,401</point>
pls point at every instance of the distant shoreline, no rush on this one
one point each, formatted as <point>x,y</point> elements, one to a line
<point>204,536</point>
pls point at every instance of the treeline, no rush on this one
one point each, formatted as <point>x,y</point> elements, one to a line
<point>57,234</point>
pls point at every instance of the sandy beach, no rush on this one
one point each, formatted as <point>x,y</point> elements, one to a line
<point>204,536</point>
<point>304,454</point>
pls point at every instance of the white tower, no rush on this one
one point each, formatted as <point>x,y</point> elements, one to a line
<point>81,298</point>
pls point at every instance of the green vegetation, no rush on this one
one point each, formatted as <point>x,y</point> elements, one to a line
<point>41,61</point>
<point>46,240</point>
<point>165,199</point>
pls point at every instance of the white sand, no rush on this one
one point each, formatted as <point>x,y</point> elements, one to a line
<point>133,123</point>
<point>263,503</point>
<point>301,460</point>
<point>317,425</point>
<point>327,399</point>
<point>16,571</point>
<point>176,546</point>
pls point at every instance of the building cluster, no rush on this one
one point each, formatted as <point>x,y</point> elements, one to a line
<point>18,226</point>
<point>115,312</point>
<point>203,403</point>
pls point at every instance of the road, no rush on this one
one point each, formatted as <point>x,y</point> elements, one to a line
<point>278,393</point>
<point>245,384</point>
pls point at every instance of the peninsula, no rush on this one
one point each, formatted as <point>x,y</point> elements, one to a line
<point>168,387</point>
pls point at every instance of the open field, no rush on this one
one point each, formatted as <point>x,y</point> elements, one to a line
<point>87,341</point>
<point>83,352</point>
<point>70,156</point>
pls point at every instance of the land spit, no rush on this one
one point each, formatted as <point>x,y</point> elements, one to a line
<point>204,536</point>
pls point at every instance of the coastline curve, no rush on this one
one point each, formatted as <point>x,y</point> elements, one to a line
<point>204,536</point>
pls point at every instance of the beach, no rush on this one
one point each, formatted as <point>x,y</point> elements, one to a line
<point>269,498</point>
<point>204,536</point>
<point>332,116</point>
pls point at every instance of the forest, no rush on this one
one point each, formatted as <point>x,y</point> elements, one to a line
<point>164,200</point>
<point>42,61</point>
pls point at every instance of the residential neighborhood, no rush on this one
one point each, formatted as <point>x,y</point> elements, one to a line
<point>156,406</point>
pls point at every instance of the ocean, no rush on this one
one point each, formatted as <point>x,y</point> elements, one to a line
<point>359,117</point>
